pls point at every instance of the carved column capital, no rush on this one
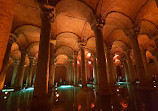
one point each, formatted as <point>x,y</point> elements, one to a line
<point>49,11</point>
<point>75,53</point>
<point>82,44</point>
<point>133,31</point>
<point>12,38</point>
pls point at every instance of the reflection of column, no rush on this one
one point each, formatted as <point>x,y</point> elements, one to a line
<point>133,34</point>
<point>130,66</point>
<point>29,76</point>
<point>20,73</point>
<point>83,73</point>
<point>109,66</point>
<point>16,63</point>
<point>101,63</point>
<point>95,76</point>
<point>126,70</point>
<point>75,68</point>
<point>51,67</point>
<point>41,80</point>
<point>14,97</point>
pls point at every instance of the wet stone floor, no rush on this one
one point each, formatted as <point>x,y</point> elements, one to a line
<point>70,98</point>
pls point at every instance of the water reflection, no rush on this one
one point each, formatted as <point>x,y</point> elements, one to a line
<point>123,98</point>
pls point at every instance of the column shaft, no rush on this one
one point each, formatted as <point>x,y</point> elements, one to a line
<point>6,64</point>
<point>83,73</point>
<point>41,80</point>
<point>148,76</point>
<point>20,73</point>
<point>29,76</point>
<point>130,66</point>
<point>109,66</point>
<point>16,63</point>
<point>95,76</point>
<point>51,67</point>
<point>101,63</point>
<point>126,70</point>
<point>35,73</point>
<point>75,69</point>
<point>137,57</point>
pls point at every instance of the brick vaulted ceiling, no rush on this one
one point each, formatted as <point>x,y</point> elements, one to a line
<point>73,21</point>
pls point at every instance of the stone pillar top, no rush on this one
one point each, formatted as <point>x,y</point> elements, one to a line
<point>82,43</point>
<point>133,31</point>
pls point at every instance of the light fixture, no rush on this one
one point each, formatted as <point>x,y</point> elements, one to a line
<point>89,55</point>
<point>89,62</point>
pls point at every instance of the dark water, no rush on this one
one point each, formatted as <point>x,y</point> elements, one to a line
<point>69,98</point>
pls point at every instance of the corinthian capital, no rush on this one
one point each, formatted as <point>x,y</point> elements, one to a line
<point>132,31</point>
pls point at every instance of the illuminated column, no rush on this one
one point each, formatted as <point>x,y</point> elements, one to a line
<point>75,68</point>
<point>6,64</point>
<point>130,66</point>
<point>101,63</point>
<point>148,76</point>
<point>126,70</point>
<point>20,73</point>
<point>16,63</point>
<point>69,71</point>
<point>113,69</point>
<point>86,69</point>
<point>109,65</point>
<point>51,67</point>
<point>42,75</point>
<point>133,34</point>
<point>29,76</point>
<point>95,76</point>
<point>83,73</point>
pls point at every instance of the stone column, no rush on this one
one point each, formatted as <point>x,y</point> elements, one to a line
<point>95,76</point>
<point>69,71</point>
<point>51,67</point>
<point>101,63</point>
<point>130,66</point>
<point>86,69</point>
<point>42,75</point>
<point>83,73</point>
<point>5,65</point>
<point>34,72</point>
<point>29,76</point>
<point>126,70</point>
<point>156,44</point>
<point>75,68</point>
<point>148,76</point>
<point>6,18</point>
<point>16,63</point>
<point>20,73</point>
<point>133,34</point>
<point>109,66</point>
